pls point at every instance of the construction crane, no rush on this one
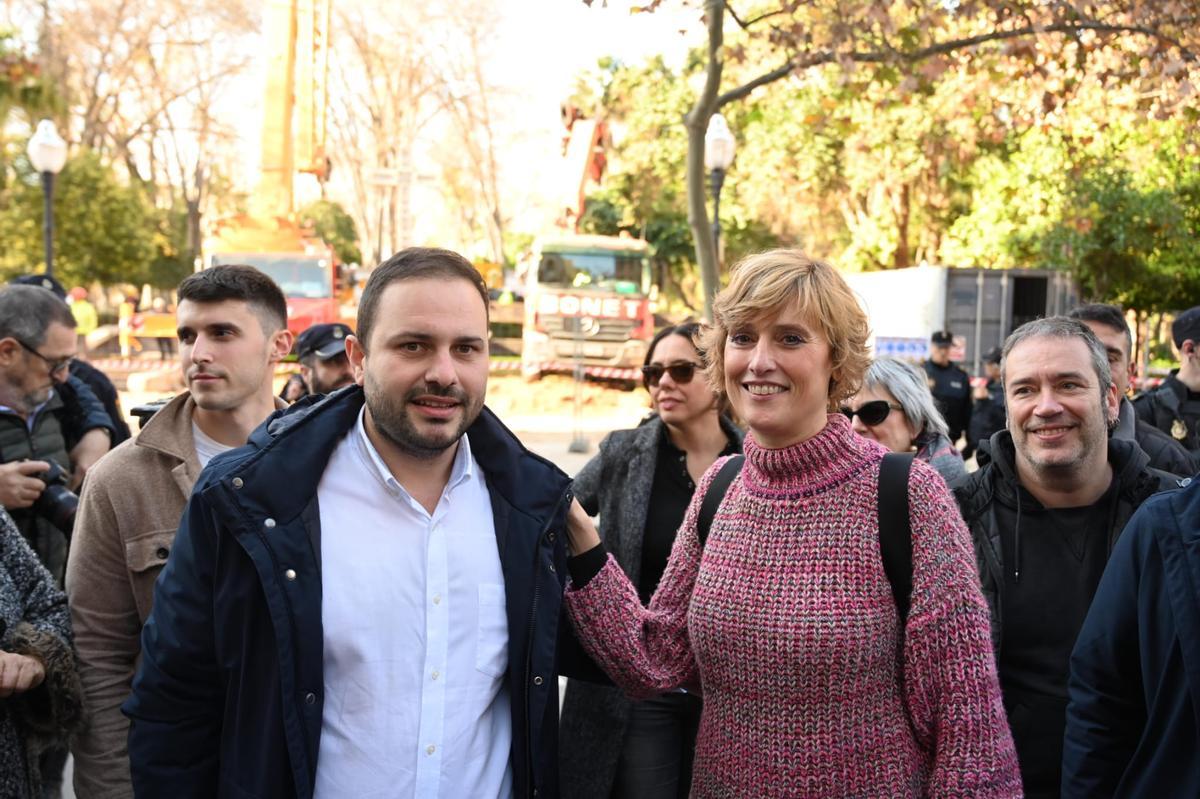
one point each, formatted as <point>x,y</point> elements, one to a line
<point>270,237</point>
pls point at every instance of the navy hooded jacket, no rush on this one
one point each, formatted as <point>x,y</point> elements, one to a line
<point>1133,722</point>
<point>227,701</point>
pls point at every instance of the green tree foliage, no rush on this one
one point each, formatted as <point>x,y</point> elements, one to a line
<point>644,192</point>
<point>333,224</point>
<point>1028,54</point>
<point>104,231</point>
<point>1130,231</point>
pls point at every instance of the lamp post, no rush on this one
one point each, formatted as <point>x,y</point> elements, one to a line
<point>48,153</point>
<point>719,146</point>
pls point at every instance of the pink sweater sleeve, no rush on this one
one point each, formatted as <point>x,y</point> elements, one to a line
<point>950,683</point>
<point>645,650</point>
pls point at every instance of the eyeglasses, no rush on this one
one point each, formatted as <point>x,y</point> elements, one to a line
<point>55,365</point>
<point>872,413</point>
<point>682,373</point>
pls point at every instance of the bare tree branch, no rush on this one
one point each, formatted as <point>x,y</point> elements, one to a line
<point>942,48</point>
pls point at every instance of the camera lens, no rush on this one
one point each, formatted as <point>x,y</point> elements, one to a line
<point>57,504</point>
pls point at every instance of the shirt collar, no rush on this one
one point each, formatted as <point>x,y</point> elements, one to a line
<point>31,419</point>
<point>462,470</point>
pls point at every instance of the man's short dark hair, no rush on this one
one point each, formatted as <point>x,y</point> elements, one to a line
<point>1108,315</point>
<point>411,264</point>
<point>26,313</point>
<point>238,282</point>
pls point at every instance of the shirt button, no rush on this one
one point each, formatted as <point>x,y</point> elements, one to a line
<point>435,675</point>
<point>552,569</point>
<point>551,537</point>
<point>162,552</point>
<point>429,750</point>
<point>437,599</point>
<point>237,482</point>
<point>537,680</point>
<point>269,524</point>
<point>290,574</point>
<point>310,698</point>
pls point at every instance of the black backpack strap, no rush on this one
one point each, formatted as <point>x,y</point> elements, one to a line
<point>895,529</point>
<point>716,493</point>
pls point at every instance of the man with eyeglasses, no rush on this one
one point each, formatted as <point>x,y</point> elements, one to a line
<point>38,427</point>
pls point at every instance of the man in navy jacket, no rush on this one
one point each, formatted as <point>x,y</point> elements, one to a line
<point>239,674</point>
<point>1133,722</point>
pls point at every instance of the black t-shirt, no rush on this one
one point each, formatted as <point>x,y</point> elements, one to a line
<point>669,497</point>
<point>1063,552</point>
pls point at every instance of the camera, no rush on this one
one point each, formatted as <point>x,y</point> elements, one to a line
<point>144,412</point>
<point>57,504</point>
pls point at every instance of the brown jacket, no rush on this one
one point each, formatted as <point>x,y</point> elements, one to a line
<point>129,510</point>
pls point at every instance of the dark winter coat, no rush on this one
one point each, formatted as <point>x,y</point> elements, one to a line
<point>1165,452</point>
<point>1133,722</point>
<point>1173,410</point>
<point>996,481</point>
<point>228,699</point>
<point>58,424</point>
<point>34,621</point>
<point>979,498</point>
<point>616,484</point>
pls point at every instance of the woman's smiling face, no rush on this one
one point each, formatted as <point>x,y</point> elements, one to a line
<point>777,374</point>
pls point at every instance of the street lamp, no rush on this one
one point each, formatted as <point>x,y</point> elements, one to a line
<point>719,146</point>
<point>47,152</point>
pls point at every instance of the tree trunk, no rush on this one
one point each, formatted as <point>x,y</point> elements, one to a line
<point>901,208</point>
<point>697,124</point>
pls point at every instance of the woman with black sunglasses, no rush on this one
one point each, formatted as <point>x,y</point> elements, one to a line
<point>641,483</point>
<point>895,408</point>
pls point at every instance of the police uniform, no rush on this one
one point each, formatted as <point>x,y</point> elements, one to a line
<point>1173,409</point>
<point>951,389</point>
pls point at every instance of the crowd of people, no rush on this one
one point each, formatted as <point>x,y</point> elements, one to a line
<point>815,573</point>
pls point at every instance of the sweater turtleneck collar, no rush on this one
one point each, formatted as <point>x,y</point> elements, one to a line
<point>830,457</point>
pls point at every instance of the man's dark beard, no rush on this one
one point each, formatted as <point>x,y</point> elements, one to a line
<point>393,422</point>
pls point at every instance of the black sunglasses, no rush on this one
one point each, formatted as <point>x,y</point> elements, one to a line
<point>681,373</point>
<point>873,412</point>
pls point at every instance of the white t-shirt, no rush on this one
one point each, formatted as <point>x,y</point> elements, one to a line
<point>206,448</point>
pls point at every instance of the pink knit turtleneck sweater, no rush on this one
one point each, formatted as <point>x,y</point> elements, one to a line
<point>786,621</point>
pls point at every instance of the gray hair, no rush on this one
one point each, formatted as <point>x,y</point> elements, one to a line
<point>26,313</point>
<point>1062,327</point>
<point>911,389</point>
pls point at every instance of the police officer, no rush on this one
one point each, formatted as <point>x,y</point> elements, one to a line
<point>1174,407</point>
<point>950,385</point>
<point>987,414</point>
<point>321,350</point>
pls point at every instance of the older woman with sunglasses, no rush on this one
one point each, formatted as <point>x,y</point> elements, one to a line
<point>641,483</point>
<point>784,615</point>
<point>895,408</point>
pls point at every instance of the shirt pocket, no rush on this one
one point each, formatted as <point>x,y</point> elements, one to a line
<point>145,555</point>
<point>491,639</point>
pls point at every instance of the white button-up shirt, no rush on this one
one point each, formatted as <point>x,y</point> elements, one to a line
<point>416,634</point>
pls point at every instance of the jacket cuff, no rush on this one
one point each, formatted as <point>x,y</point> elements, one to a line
<point>53,710</point>
<point>585,566</point>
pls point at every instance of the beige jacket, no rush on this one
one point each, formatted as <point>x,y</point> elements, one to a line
<point>129,510</point>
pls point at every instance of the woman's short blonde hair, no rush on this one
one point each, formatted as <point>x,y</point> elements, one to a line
<point>764,284</point>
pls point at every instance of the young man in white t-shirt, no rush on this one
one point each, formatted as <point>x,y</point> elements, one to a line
<point>232,324</point>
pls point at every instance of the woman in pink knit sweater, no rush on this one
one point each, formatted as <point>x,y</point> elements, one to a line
<point>785,617</point>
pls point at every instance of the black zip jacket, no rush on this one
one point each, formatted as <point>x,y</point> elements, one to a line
<point>996,481</point>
